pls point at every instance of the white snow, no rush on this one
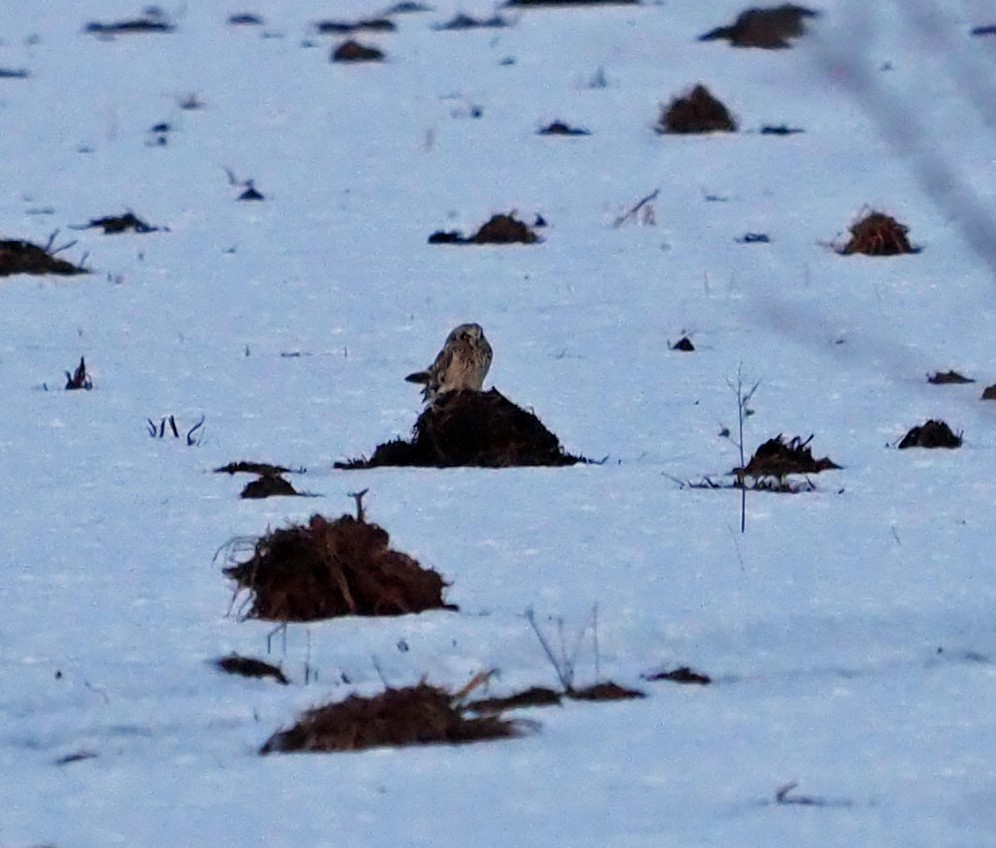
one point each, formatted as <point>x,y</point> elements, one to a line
<point>849,632</point>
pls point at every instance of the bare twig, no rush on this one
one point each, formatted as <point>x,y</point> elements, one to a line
<point>361,513</point>
<point>634,210</point>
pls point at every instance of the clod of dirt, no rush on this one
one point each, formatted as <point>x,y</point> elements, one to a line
<point>942,378</point>
<point>249,667</point>
<point>682,674</point>
<point>267,486</point>
<point>79,379</point>
<point>990,29</point>
<point>461,21</point>
<point>346,27</point>
<point>326,569</point>
<point>696,112</point>
<point>468,428</point>
<point>154,20</point>
<point>754,238</point>
<point>414,715</point>
<point>770,28</point>
<point>878,234</point>
<point>989,393</point>
<point>21,257</point>
<point>779,457</point>
<point>932,434</point>
<point>245,19</point>
<point>535,696</point>
<point>120,224</point>
<point>251,192</point>
<point>607,691</point>
<point>407,7</point>
<point>560,128</point>
<point>499,229</point>
<point>780,129</point>
<point>353,51</point>
<point>14,73</point>
<point>683,344</point>
<point>244,467</point>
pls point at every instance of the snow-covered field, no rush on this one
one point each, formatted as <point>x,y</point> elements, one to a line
<point>850,632</point>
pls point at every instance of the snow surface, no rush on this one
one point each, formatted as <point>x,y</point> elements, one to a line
<point>849,631</point>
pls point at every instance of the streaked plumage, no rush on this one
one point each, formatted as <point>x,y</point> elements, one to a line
<point>461,364</point>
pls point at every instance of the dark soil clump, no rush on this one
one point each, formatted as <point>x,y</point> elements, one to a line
<point>500,229</point>
<point>245,19</point>
<point>684,344</point>
<point>346,27</point>
<point>462,22</point>
<point>989,393</point>
<point>121,223</point>
<point>682,674</point>
<point>779,457</point>
<point>560,128</point>
<point>696,112</point>
<point>780,129</point>
<point>989,29</point>
<point>528,3</point>
<point>249,667</point>
<point>21,257</point>
<point>535,696</point>
<point>932,434</point>
<point>243,467</point>
<point>415,715</point>
<point>353,51</point>
<point>326,569</point>
<point>769,29</point>
<point>607,691</point>
<point>468,428</point>
<point>268,486</point>
<point>14,73</point>
<point>79,379</point>
<point>939,378</point>
<point>152,21</point>
<point>878,234</point>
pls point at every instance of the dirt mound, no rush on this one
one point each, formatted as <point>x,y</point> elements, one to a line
<point>500,229</point>
<point>939,378</point>
<point>327,569</point>
<point>21,257</point>
<point>779,457</point>
<point>878,234</point>
<point>684,344</point>
<point>560,128</point>
<point>989,393</point>
<point>250,667</point>
<point>696,112</point>
<point>606,691</point>
<point>769,29</point>
<point>932,434</point>
<point>415,715</point>
<point>353,51</point>
<point>268,486</point>
<point>468,428</point>
<point>535,696</point>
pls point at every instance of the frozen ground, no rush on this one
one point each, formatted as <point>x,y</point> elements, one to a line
<point>849,631</point>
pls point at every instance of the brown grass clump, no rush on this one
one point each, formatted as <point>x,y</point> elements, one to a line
<point>939,378</point>
<point>267,486</point>
<point>461,21</point>
<point>79,379</point>
<point>560,128</point>
<point>326,569</point>
<point>414,715</point>
<point>499,229</point>
<point>769,29</point>
<point>121,223</point>
<point>250,667</point>
<point>570,2</point>
<point>244,467</point>
<point>989,393</point>
<point>21,257</point>
<point>534,696</point>
<point>878,234</point>
<point>682,674</point>
<point>779,457</point>
<point>345,27</point>
<point>152,21</point>
<point>684,344</point>
<point>932,434</point>
<point>353,51</point>
<point>468,428</point>
<point>696,112</point>
<point>605,691</point>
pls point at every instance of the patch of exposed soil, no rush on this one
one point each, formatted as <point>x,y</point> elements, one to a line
<point>696,112</point>
<point>244,467</point>
<point>268,486</point>
<point>878,234</point>
<point>932,434</point>
<point>535,696</point>
<point>353,51</point>
<point>21,257</point>
<point>769,29</point>
<point>682,674</point>
<point>468,428</point>
<point>560,128</point>
<point>325,569</point>
<point>347,27</point>
<point>779,457</point>
<point>415,715</point>
<point>607,691</point>
<point>939,378</point>
<point>249,667</point>
<point>152,21</point>
<point>499,229</point>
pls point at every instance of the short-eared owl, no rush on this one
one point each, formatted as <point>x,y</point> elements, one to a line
<point>461,364</point>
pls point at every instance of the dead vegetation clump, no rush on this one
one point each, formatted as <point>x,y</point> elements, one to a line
<point>250,667</point>
<point>989,393</point>
<point>534,696</point>
<point>353,51</point>
<point>499,229</point>
<point>939,378</point>
<point>932,434</point>
<point>604,691</point>
<point>245,19</point>
<point>268,486</point>
<point>683,674</point>
<point>684,345</point>
<point>14,73</point>
<point>347,27</point>
<point>79,379</point>
<point>769,28</point>
<point>878,234</point>
<point>325,569</point>
<point>462,21</point>
<point>414,715</point>
<point>245,467</point>
<point>528,3</point>
<point>153,20</point>
<point>469,428</point>
<point>696,112</point>
<point>779,457</point>
<point>561,128</point>
<point>22,257</point>
<point>120,224</point>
